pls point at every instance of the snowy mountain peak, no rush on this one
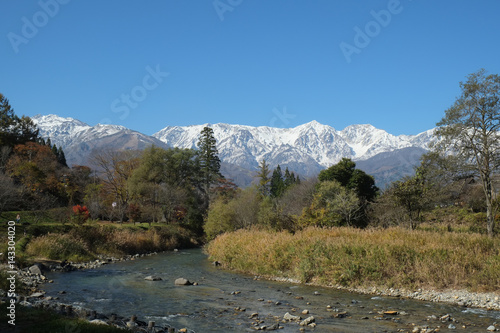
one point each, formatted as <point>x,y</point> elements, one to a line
<point>360,128</point>
<point>313,144</point>
<point>305,149</point>
<point>55,120</point>
<point>314,126</point>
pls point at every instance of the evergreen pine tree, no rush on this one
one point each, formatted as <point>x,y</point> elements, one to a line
<point>288,179</point>
<point>277,183</point>
<point>25,130</point>
<point>15,130</point>
<point>263,175</point>
<point>61,157</point>
<point>7,120</point>
<point>209,159</point>
<point>54,149</point>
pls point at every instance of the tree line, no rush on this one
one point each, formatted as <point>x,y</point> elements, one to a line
<point>461,169</point>
<point>155,185</point>
<point>185,185</point>
<point>33,172</point>
<point>340,195</point>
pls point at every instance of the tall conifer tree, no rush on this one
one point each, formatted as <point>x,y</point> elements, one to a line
<point>209,158</point>
<point>277,183</point>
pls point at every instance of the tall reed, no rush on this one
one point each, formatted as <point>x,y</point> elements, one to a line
<point>393,257</point>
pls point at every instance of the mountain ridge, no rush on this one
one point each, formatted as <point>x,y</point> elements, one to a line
<point>305,149</point>
<point>322,143</point>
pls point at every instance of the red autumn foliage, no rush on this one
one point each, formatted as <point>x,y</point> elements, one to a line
<point>81,214</point>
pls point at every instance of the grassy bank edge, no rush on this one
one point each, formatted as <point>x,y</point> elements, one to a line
<point>82,244</point>
<point>35,320</point>
<point>88,242</point>
<point>448,267</point>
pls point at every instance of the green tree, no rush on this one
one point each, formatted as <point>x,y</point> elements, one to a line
<point>341,172</point>
<point>229,214</point>
<point>470,129</point>
<point>363,184</point>
<point>333,205</point>
<point>15,130</point>
<point>164,181</point>
<point>347,175</point>
<point>61,157</point>
<point>412,194</point>
<point>7,121</point>
<point>209,159</point>
<point>289,178</point>
<point>220,218</point>
<point>264,180</point>
<point>25,130</point>
<point>277,184</point>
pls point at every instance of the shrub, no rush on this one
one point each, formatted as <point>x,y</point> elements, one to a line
<point>80,214</point>
<point>354,257</point>
<point>59,247</point>
<point>221,218</point>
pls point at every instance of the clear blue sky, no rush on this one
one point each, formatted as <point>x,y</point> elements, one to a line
<point>252,62</point>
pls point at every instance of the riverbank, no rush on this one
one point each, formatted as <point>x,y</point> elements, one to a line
<point>54,247</point>
<point>228,302</point>
<point>465,298</point>
<point>53,314</point>
<point>40,315</point>
<point>461,269</point>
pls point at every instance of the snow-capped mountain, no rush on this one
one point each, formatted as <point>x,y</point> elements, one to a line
<point>308,147</point>
<point>79,139</point>
<point>305,149</point>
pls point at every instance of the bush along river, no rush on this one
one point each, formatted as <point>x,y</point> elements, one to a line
<point>221,301</point>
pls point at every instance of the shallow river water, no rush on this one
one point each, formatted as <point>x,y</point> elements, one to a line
<point>225,301</point>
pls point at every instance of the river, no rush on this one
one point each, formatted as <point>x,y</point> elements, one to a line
<point>224,301</point>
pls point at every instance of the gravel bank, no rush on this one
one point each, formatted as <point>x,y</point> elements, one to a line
<point>490,301</point>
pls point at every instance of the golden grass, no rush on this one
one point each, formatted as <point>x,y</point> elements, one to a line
<point>393,257</point>
<point>86,242</point>
<point>59,247</point>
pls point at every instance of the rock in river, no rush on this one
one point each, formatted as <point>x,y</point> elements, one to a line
<point>152,278</point>
<point>307,321</point>
<point>290,317</point>
<point>36,269</point>
<point>182,282</point>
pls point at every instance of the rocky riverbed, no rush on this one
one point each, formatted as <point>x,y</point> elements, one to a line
<point>285,315</point>
<point>489,301</point>
<point>32,277</point>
